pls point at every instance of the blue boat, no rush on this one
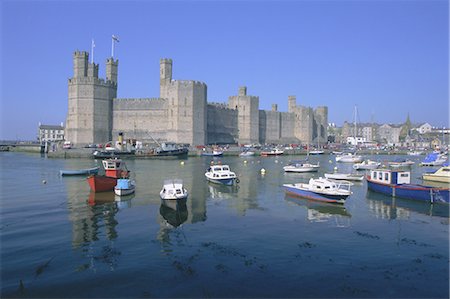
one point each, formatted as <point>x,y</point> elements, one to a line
<point>93,170</point>
<point>434,159</point>
<point>321,189</point>
<point>397,184</point>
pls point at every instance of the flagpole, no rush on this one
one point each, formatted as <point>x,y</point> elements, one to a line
<point>112,46</point>
<point>92,50</point>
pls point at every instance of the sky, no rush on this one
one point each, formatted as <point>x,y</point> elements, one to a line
<point>387,58</point>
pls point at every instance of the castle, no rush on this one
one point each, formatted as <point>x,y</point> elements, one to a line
<point>181,113</point>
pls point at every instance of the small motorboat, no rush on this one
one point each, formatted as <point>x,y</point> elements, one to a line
<point>344,176</point>
<point>85,171</point>
<point>441,175</point>
<point>434,159</point>
<point>400,163</point>
<point>321,189</point>
<point>396,183</point>
<point>246,154</point>
<point>124,187</point>
<point>273,152</point>
<point>214,153</point>
<point>299,166</point>
<point>221,174</point>
<point>173,189</point>
<point>349,158</point>
<point>366,164</point>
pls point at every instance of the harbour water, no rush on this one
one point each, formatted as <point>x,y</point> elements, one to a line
<point>60,240</point>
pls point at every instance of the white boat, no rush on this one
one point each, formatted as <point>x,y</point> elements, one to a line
<point>316,152</point>
<point>173,189</point>
<point>124,187</point>
<point>414,153</point>
<point>344,176</point>
<point>366,164</point>
<point>221,174</point>
<point>301,167</point>
<point>441,175</point>
<point>349,158</point>
<point>400,163</point>
<point>434,159</point>
<point>321,189</point>
<point>273,152</point>
<point>246,154</point>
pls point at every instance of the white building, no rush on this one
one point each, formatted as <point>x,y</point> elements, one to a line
<point>424,128</point>
<point>50,133</point>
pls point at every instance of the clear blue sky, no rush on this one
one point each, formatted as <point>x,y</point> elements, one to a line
<point>389,58</point>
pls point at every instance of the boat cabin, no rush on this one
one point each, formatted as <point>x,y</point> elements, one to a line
<point>114,168</point>
<point>386,176</point>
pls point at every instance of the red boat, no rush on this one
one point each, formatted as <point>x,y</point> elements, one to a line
<point>114,169</point>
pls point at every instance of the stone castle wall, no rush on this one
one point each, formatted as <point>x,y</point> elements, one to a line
<point>181,114</point>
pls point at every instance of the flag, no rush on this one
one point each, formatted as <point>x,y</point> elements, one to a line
<point>115,38</point>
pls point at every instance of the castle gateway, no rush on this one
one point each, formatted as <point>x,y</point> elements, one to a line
<point>181,113</point>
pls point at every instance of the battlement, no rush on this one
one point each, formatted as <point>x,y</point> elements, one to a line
<point>91,80</point>
<point>80,53</point>
<point>139,103</point>
<point>165,60</point>
<point>188,82</point>
<point>221,106</point>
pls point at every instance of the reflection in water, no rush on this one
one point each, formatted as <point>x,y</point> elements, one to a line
<point>387,207</point>
<point>174,211</point>
<point>221,191</point>
<point>323,212</point>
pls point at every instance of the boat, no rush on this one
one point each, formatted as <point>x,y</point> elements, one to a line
<point>165,149</point>
<point>301,166</point>
<point>321,189</point>
<point>214,153</point>
<point>344,176</point>
<point>349,158</point>
<point>434,159</point>
<point>112,154</point>
<point>414,153</point>
<point>114,169</point>
<point>441,175</point>
<point>246,154</point>
<point>398,184</point>
<point>173,189</point>
<point>85,171</point>
<point>124,187</point>
<point>317,152</point>
<point>221,174</point>
<point>366,164</point>
<point>273,152</point>
<point>400,163</point>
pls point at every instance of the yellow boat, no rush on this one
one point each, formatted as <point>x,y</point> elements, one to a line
<point>441,175</point>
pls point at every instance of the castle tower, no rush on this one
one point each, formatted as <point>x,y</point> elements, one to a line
<point>89,115</point>
<point>321,117</point>
<point>292,103</point>
<point>111,69</point>
<point>248,115</point>
<point>165,76</point>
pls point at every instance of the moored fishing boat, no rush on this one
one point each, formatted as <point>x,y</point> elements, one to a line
<point>441,175</point>
<point>85,171</point>
<point>398,184</point>
<point>400,163</point>
<point>114,169</point>
<point>273,152</point>
<point>214,153</point>
<point>173,189</point>
<point>164,150</point>
<point>221,174</point>
<point>321,189</point>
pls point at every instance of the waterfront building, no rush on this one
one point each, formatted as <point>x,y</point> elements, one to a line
<point>181,113</point>
<point>424,128</point>
<point>50,133</point>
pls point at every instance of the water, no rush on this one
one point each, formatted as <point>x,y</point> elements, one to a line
<point>60,240</point>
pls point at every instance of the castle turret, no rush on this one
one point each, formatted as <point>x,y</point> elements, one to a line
<point>165,76</point>
<point>321,117</point>
<point>248,115</point>
<point>292,103</point>
<point>112,69</point>
<point>80,64</point>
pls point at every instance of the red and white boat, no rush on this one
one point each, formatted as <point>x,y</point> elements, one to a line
<point>114,169</point>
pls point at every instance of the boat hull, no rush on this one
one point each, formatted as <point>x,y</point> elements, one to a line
<point>227,181</point>
<point>123,192</point>
<point>300,169</point>
<point>93,170</point>
<point>101,183</point>
<point>292,190</point>
<point>436,178</point>
<point>411,191</point>
<point>342,176</point>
